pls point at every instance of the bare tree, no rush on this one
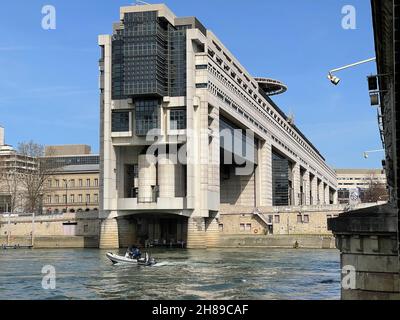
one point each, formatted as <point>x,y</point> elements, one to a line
<point>34,174</point>
<point>376,191</point>
<point>10,189</point>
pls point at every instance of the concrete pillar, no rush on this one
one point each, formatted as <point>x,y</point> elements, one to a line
<point>166,177</point>
<point>306,188</point>
<point>212,232</point>
<point>326,197</point>
<point>321,192</point>
<point>147,179</point>
<point>109,234</point>
<point>335,197</point>
<point>196,233</point>
<point>296,184</point>
<point>126,232</point>
<point>264,175</point>
<point>314,190</point>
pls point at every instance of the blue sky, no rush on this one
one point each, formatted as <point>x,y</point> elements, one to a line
<point>49,79</point>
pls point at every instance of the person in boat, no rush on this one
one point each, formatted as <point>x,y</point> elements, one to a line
<point>135,253</point>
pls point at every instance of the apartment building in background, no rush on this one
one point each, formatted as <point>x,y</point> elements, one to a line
<point>11,163</point>
<point>354,185</point>
<point>74,184</point>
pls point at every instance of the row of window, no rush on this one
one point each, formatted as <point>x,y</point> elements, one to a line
<point>147,118</point>
<point>247,227</point>
<point>221,95</point>
<point>72,199</point>
<point>71,183</point>
<point>277,118</point>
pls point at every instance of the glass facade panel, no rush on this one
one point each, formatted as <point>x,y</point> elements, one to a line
<point>148,57</point>
<point>146,116</point>
<point>120,121</point>
<point>177,118</point>
<point>280,180</point>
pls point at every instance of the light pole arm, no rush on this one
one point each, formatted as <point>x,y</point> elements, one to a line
<point>352,65</point>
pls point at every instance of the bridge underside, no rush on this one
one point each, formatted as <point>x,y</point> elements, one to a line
<point>152,229</point>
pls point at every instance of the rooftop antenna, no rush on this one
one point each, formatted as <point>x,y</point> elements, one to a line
<point>291,118</point>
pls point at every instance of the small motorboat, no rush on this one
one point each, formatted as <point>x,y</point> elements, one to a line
<point>146,261</point>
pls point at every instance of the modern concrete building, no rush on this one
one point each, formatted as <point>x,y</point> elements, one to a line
<point>74,184</point>
<point>11,163</point>
<point>170,88</point>
<point>356,183</point>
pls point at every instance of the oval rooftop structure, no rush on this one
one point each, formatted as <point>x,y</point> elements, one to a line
<point>270,86</point>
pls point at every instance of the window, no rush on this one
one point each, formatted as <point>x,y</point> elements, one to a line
<point>177,119</point>
<point>64,198</point>
<point>48,199</point>
<point>57,183</point>
<point>120,121</point>
<point>88,198</point>
<point>96,182</point>
<point>86,228</point>
<point>201,85</point>
<point>87,182</point>
<point>146,116</point>
<point>96,198</point>
<point>201,66</point>
<point>277,219</point>
<point>57,199</point>
<point>80,183</point>
<point>242,227</point>
<point>248,227</point>
<point>299,218</point>
<point>72,198</point>
<point>49,183</point>
<point>221,227</point>
<point>72,183</point>
<point>79,198</point>
<point>306,218</point>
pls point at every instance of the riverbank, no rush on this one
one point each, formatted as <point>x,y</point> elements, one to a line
<point>225,241</point>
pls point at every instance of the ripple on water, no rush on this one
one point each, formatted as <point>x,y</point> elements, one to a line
<point>180,274</point>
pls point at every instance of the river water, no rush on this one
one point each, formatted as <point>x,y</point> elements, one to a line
<point>218,274</point>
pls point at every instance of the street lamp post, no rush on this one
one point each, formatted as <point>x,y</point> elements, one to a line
<point>366,153</point>
<point>335,80</point>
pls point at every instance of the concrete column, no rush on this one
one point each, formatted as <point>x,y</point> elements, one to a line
<point>264,175</point>
<point>335,197</point>
<point>321,192</point>
<point>166,177</point>
<point>326,197</point>
<point>296,184</point>
<point>212,232</point>
<point>109,234</point>
<point>147,179</point>
<point>314,190</point>
<point>306,188</point>
<point>196,235</point>
<point>126,232</point>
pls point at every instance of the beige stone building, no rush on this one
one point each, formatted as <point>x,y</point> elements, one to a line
<point>357,181</point>
<point>74,186</point>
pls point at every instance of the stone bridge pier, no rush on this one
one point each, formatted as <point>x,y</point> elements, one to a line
<point>121,231</point>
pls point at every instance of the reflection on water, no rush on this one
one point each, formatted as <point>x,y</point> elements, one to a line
<point>180,274</point>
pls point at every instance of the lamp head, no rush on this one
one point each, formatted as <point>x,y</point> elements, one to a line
<point>333,79</point>
<point>366,155</point>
